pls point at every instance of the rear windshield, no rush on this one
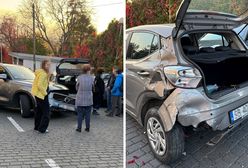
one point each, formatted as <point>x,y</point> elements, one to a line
<point>235,7</point>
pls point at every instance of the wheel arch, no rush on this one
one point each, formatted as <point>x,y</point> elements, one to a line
<point>17,94</point>
<point>167,110</point>
<point>146,101</point>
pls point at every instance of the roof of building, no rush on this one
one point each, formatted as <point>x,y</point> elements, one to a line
<point>25,56</point>
<point>164,30</point>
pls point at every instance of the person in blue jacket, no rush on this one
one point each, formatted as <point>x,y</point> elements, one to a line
<point>117,93</point>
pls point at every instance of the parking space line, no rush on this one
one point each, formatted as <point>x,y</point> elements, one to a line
<point>17,126</point>
<point>52,163</point>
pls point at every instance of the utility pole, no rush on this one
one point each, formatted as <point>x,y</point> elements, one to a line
<point>1,53</point>
<point>34,60</point>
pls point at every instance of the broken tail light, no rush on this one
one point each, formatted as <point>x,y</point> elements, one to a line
<point>183,76</point>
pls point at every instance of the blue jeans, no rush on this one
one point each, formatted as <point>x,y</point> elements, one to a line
<point>109,102</point>
<point>83,112</point>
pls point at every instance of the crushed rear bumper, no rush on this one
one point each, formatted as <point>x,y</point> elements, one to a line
<point>62,102</point>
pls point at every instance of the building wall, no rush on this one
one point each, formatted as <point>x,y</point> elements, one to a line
<point>29,64</point>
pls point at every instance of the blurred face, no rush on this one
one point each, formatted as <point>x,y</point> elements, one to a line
<point>47,66</point>
<point>114,71</point>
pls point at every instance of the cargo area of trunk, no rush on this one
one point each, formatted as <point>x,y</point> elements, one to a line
<point>223,67</point>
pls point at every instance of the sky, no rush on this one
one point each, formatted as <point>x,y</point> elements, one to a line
<point>103,11</point>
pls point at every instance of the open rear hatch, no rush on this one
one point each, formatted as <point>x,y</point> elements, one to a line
<point>67,71</point>
<point>212,14</point>
<point>207,40</point>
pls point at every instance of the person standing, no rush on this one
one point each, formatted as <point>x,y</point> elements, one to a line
<point>110,86</point>
<point>84,97</point>
<point>117,93</point>
<point>98,91</point>
<point>40,90</point>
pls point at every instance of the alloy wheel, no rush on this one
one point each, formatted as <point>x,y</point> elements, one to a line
<point>156,136</point>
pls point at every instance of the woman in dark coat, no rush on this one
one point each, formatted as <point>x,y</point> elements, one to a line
<point>98,91</point>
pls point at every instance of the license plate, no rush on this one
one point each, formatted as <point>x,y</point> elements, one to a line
<point>238,113</point>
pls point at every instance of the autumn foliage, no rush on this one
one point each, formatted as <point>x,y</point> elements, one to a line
<point>140,12</point>
<point>105,49</point>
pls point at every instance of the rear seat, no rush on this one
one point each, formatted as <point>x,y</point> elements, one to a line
<point>222,48</point>
<point>207,50</point>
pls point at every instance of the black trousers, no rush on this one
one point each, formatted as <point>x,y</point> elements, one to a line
<point>97,100</point>
<point>42,115</point>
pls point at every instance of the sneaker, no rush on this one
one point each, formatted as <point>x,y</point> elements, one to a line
<point>95,113</point>
<point>44,132</point>
<point>78,130</point>
<point>87,129</point>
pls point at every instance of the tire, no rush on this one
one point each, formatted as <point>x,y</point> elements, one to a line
<point>171,144</point>
<point>25,106</point>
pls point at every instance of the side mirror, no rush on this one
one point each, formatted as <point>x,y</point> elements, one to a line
<point>3,76</point>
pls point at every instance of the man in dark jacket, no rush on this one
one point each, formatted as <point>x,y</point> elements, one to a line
<point>110,86</point>
<point>98,91</point>
<point>117,93</point>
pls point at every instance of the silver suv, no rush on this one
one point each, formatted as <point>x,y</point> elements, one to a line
<point>188,74</point>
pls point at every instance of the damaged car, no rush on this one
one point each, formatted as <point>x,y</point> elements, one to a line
<point>188,74</point>
<point>15,90</point>
<point>67,72</point>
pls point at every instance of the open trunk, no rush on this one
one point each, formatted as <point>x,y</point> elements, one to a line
<point>223,61</point>
<point>67,72</point>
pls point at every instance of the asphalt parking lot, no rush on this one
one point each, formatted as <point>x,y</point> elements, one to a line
<point>62,146</point>
<point>230,152</point>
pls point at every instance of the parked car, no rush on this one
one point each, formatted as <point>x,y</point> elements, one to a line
<point>15,89</point>
<point>175,79</point>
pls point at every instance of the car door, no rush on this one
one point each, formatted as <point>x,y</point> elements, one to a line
<point>142,56</point>
<point>5,87</point>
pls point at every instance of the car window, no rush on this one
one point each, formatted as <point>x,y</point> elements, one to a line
<point>142,45</point>
<point>235,7</point>
<point>212,40</point>
<point>20,72</point>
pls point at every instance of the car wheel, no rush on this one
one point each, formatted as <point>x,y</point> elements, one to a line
<point>25,106</point>
<point>166,146</point>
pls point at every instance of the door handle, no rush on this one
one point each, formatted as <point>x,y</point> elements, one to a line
<point>143,73</point>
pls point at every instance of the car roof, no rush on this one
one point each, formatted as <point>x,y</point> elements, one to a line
<point>164,30</point>
<point>3,64</point>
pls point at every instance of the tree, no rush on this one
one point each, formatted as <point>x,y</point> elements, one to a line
<point>41,25</point>
<point>67,16</point>
<point>104,50</point>
<point>140,12</point>
<point>18,37</point>
<point>8,31</point>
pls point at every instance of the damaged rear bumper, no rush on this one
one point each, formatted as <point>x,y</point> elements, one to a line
<point>61,102</point>
<point>194,107</point>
